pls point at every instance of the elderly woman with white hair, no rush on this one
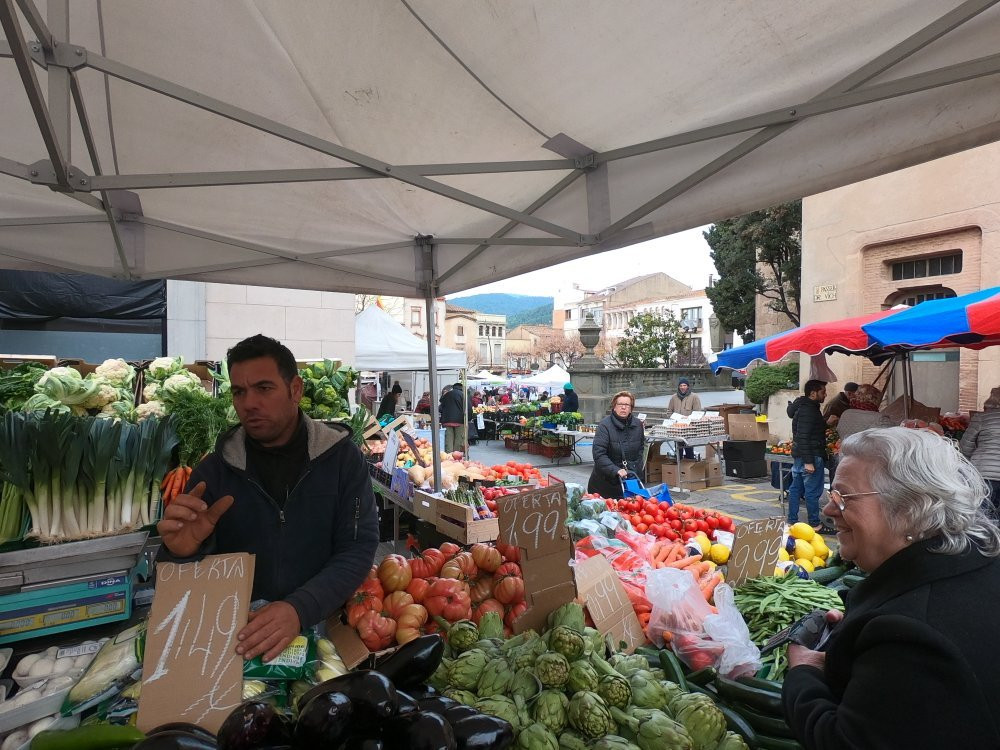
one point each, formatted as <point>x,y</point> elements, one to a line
<point>913,661</point>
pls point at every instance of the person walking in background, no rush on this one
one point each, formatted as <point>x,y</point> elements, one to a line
<point>839,404</point>
<point>570,399</point>
<point>809,452</point>
<point>981,445</point>
<point>684,402</point>
<point>452,412</point>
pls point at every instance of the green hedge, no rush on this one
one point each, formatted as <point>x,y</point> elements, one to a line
<point>768,379</point>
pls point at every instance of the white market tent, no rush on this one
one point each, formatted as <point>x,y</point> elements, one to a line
<point>421,147</point>
<point>553,378</point>
<point>381,343</point>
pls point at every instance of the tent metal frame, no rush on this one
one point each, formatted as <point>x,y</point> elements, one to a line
<point>53,115</point>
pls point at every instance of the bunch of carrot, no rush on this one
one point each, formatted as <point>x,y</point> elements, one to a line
<point>675,555</point>
<point>174,483</point>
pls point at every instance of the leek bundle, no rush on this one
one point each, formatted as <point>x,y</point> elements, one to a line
<point>83,477</point>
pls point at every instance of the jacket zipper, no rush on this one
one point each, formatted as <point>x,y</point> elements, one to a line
<point>357,516</point>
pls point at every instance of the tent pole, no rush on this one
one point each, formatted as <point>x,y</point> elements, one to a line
<point>425,263</point>
<point>465,412</point>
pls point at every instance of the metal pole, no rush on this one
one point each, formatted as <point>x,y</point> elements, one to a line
<point>465,412</point>
<point>425,247</point>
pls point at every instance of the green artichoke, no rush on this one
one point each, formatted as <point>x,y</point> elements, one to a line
<point>595,642</point>
<point>627,664</point>
<point>518,640</point>
<point>652,729</point>
<point>703,720</point>
<point>552,669</point>
<point>489,646</point>
<point>442,675</point>
<point>571,740</point>
<point>589,715</point>
<point>732,741</point>
<point>465,670</point>
<point>566,641</point>
<point>495,679</point>
<point>524,685</point>
<point>550,710</point>
<point>615,690</point>
<point>502,708</point>
<point>462,696</point>
<point>536,737</point>
<point>646,693</point>
<point>462,635</point>
<point>673,691</point>
<point>582,676</point>
<point>611,742</point>
<point>571,615</point>
<point>491,626</point>
<point>526,655</point>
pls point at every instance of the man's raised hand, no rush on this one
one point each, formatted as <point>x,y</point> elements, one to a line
<point>188,521</point>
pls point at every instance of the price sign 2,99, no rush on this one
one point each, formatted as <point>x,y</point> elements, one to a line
<point>755,549</point>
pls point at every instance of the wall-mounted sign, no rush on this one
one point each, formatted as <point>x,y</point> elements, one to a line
<point>824,292</point>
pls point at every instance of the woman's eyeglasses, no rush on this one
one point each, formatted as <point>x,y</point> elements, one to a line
<point>623,403</point>
<point>839,498</point>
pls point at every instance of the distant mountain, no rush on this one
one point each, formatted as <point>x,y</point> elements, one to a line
<point>519,308</point>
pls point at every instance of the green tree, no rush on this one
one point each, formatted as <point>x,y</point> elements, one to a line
<point>757,253</point>
<point>651,340</point>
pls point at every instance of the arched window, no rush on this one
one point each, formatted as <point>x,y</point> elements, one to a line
<point>915,296</point>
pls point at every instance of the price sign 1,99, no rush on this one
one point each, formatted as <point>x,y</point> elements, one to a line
<point>536,520</point>
<point>755,549</point>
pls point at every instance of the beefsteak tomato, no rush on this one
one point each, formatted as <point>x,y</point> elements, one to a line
<point>449,550</point>
<point>487,605</point>
<point>486,557</point>
<point>377,632</point>
<point>394,603</point>
<point>462,566</point>
<point>362,601</point>
<point>418,589</point>
<point>449,598</point>
<point>513,613</point>
<point>394,573</point>
<point>428,564</point>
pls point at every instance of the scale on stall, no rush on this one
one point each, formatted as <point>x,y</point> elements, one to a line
<point>63,587</point>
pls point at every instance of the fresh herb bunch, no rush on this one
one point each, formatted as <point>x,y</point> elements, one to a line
<point>198,419</point>
<point>17,385</point>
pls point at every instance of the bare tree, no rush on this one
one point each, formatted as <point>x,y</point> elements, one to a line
<point>559,348</point>
<point>472,356</point>
<point>391,305</point>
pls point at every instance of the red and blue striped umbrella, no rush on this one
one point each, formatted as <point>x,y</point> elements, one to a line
<point>971,321</point>
<point>846,336</point>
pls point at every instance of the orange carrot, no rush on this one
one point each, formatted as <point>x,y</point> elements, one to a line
<point>685,562</point>
<point>709,588</point>
<point>667,636</point>
<point>644,620</point>
<point>676,553</point>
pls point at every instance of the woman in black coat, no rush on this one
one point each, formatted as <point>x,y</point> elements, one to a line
<point>618,447</point>
<point>912,663</point>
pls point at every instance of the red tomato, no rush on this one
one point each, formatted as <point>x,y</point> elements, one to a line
<point>656,529</point>
<point>672,535</point>
<point>702,526</point>
<point>648,519</point>
<point>713,522</point>
<point>641,528</point>
<point>676,524</point>
<point>687,535</point>
<point>658,517</point>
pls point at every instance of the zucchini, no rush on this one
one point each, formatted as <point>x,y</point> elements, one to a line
<point>702,676</point>
<point>765,701</point>
<point>90,737</point>
<point>759,682</point>
<point>828,575</point>
<point>769,725</point>
<point>777,743</point>
<point>708,690</point>
<point>853,579</point>
<point>670,665</point>
<point>735,722</point>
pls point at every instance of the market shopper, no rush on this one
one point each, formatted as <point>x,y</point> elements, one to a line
<point>618,448</point>
<point>839,404</point>
<point>424,404</point>
<point>452,413</point>
<point>683,402</point>
<point>981,445</point>
<point>291,491</point>
<point>911,664</point>
<point>390,405</point>
<point>808,452</point>
<point>570,398</point>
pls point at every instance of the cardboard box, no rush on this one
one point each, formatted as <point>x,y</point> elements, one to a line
<point>690,476</point>
<point>724,410</point>
<point>10,361</point>
<point>746,427</point>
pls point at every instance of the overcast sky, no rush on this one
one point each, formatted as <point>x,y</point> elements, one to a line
<point>683,255</point>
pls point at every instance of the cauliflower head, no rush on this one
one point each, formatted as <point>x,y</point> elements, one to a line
<point>104,395</point>
<point>118,372</point>
<point>184,380</point>
<point>150,409</point>
<point>162,368</point>
<point>149,392</point>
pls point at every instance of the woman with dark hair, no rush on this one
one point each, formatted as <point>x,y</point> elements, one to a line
<point>618,447</point>
<point>915,645</point>
<point>387,407</point>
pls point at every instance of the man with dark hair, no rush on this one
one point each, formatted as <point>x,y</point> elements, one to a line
<point>452,413</point>
<point>809,452</point>
<point>303,502</point>
<point>839,404</point>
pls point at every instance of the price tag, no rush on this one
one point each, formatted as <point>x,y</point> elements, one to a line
<point>408,438</point>
<point>191,672</point>
<point>755,549</point>
<point>536,520</point>
<point>391,451</point>
<point>608,604</point>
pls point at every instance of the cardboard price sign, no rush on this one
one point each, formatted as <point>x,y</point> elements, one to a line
<point>535,521</point>
<point>605,599</point>
<point>391,451</point>
<point>191,671</point>
<point>755,549</point>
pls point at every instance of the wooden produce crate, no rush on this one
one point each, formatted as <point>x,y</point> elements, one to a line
<point>424,506</point>
<point>457,521</point>
<point>515,444</point>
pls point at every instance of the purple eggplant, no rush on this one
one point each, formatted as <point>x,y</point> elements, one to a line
<point>175,739</point>
<point>483,733</point>
<point>438,704</point>
<point>371,692</point>
<point>421,730</point>
<point>422,691</point>
<point>180,726</point>
<point>414,662</point>
<point>405,703</point>
<point>456,713</point>
<point>251,725</point>
<point>324,721</point>
<point>361,742</point>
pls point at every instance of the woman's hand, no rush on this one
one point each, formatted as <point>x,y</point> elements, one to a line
<point>622,473</point>
<point>799,655</point>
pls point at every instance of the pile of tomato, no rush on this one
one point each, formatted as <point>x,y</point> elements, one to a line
<point>674,522</point>
<point>526,472</point>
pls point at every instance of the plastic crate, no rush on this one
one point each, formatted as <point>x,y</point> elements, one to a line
<point>555,451</point>
<point>534,448</point>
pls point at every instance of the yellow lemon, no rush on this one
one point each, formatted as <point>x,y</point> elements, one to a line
<point>804,549</point>
<point>779,572</point>
<point>719,554</point>
<point>802,531</point>
<point>818,562</point>
<point>783,555</point>
<point>805,564</point>
<point>819,547</point>
<point>705,543</point>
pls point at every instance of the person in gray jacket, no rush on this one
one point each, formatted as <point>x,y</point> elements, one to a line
<point>981,445</point>
<point>684,402</point>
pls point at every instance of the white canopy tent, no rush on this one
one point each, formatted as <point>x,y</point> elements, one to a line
<point>421,147</point>
<point>553,378</point>
<point>381,343</point>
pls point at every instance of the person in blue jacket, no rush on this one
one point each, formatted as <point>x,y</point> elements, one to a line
<point>292,491</point>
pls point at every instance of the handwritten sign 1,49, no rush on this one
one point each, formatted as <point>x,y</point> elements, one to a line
<point>535,520</point>
<point>755,549</point>
<point>191,671</point>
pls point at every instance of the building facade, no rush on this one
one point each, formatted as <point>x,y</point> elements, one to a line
<point>524,344</point>
<point>921,233</point>
<point>491,342</point>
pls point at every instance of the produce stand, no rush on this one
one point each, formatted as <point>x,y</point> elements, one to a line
<point>782,459</point>
<point>572,437</point>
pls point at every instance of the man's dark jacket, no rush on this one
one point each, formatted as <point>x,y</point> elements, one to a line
<point>452,405</point>
<point>313,553</point>
<point>614,441</point>
<point>913,663</point>
<point>808,428</point>
<point>570,401</point>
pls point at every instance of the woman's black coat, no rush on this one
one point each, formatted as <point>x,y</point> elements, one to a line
<point>614,441</point>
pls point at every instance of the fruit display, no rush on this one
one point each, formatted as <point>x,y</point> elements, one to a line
<point>455,469</point>
<point>805,548</point>
<point>781,448</point>
<point>672,522</point>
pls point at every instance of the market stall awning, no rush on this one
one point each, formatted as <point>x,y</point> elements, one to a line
<point>428,146</point>
<point>846,336</point>
<point>381,343</point>
<point>971,321</point>
<point>554,378</point>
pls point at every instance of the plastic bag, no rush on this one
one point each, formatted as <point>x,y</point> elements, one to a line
<point>699,637</point>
